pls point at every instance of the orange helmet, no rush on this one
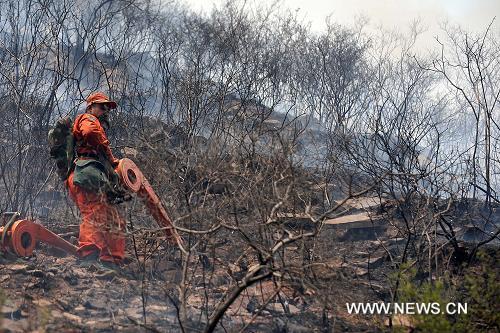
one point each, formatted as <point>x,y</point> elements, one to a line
<point>99,97</point>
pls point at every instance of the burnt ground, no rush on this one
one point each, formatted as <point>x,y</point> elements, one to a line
<point>56,295</point>
<point>51,292</point>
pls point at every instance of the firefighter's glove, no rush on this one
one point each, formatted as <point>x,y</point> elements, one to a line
<point>118,195</point>
<point>114,163</point>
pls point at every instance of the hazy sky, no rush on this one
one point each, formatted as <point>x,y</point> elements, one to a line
<point>471,14</point>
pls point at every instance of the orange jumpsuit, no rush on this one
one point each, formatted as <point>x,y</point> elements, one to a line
<point>102,227</point>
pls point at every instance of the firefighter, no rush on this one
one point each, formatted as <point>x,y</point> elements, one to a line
<point>102,228</point>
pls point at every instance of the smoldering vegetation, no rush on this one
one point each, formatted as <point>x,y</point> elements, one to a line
<point>303,169</point>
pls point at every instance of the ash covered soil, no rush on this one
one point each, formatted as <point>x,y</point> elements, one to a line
<point>51,292</point>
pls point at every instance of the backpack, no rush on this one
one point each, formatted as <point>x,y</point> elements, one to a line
<point>92,175</point>
<point>62,147</point>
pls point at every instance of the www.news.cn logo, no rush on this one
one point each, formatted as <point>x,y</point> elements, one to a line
<point>406,308</point>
